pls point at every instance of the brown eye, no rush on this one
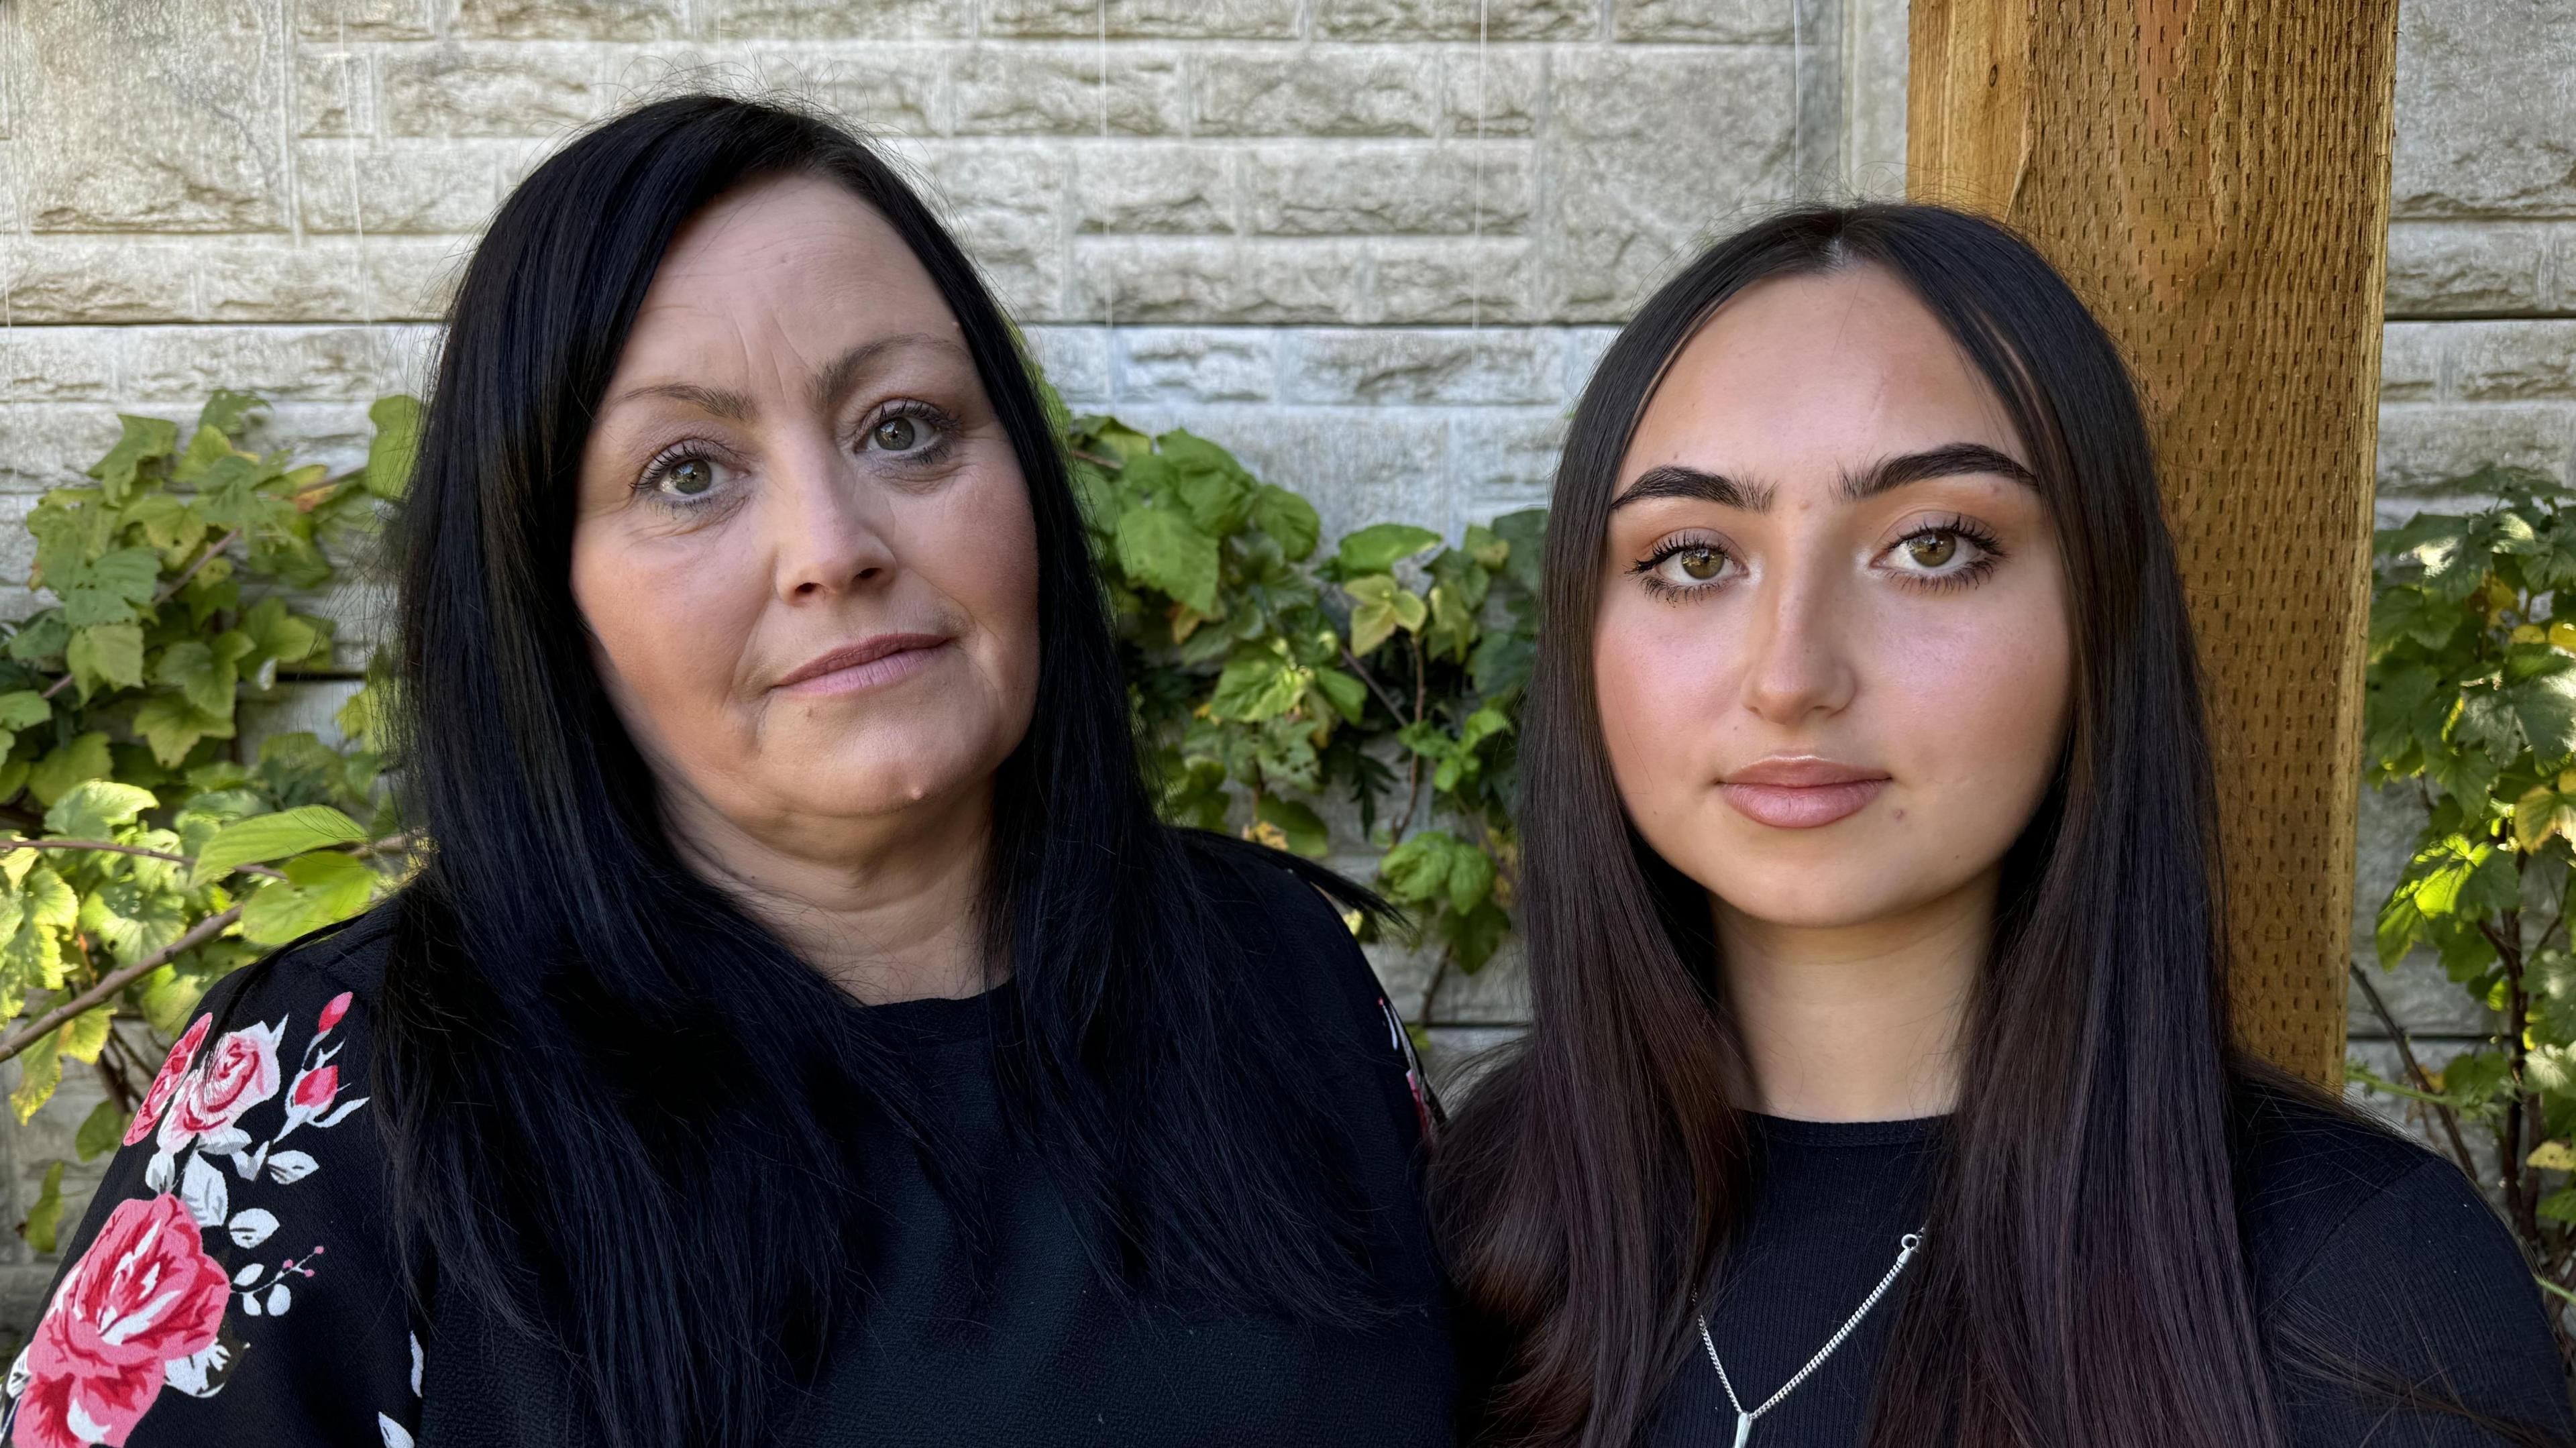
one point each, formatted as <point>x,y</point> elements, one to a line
<point>1701,563</point>
<point>1932,550</point>
<point>689,477</point>
<point>897,434</point>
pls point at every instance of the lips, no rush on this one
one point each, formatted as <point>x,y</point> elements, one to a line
<point>1801,794</point>
<point>868,664</point>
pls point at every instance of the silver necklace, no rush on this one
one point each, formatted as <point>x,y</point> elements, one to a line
<point>1743,1419</point>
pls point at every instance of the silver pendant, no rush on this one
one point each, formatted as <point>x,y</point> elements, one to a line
<point>1743,1429</point>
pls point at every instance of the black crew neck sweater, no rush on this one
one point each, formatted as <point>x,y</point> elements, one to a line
<point>2354,1236</point>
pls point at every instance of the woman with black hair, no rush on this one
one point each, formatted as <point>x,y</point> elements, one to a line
<point>1881,1089</point>
<point>801,1030</point>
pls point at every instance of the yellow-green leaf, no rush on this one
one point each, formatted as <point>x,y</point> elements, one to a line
<point>263,838</point>
<point>45,1219</point>
<point>86,757</point>
<point>2553,1156</point>
<point>397,439</point>
<point>104,655</point>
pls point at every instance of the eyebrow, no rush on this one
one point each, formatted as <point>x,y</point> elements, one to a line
<point>830,385</point>
<point>1958,459</point>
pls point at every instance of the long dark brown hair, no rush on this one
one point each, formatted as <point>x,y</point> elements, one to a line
<point>2085,1283</point>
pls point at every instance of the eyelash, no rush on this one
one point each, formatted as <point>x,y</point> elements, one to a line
<point>1649,570</point>
<point>1990,552</point>
<point>941,428</point>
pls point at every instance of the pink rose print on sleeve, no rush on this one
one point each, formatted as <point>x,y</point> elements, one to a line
<point>332,1011</point>
<point>238,1074</point>
<point>144,1294</point>
<point>173,1070</point>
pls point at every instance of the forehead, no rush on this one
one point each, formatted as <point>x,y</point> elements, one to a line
<point>1798,373</point>
<point>793,264</point>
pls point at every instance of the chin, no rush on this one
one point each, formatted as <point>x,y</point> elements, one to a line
<point>1848,895</point>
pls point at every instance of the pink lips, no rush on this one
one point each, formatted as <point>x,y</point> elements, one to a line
<point>868,664</point>
<point>1800,794</point>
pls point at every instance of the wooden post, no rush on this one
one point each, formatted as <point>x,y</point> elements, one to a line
<point>2212,175</point>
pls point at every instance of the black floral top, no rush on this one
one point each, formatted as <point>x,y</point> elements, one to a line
<point>234,1281</point>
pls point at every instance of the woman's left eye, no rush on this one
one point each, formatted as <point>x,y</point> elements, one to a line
<point>1946,553</point>
<point>910,431</point>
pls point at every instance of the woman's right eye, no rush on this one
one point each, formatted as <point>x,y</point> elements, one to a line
<point>1685,567</point>
<point>682,478</point>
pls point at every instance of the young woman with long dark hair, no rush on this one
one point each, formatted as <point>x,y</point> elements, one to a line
<point>801,1029</point>
<point>1880,1090</point>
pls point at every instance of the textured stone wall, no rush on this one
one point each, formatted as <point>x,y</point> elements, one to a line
<point>2479,363</point>
<point>1343,237</point>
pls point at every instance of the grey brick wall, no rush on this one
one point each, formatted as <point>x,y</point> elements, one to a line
<point>1373,245</point>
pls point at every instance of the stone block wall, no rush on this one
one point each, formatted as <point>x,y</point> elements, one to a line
<point>1372,245</point>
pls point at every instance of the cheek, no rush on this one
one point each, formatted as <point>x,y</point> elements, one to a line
<point>668,619</point>
<point>979,549</point>
<point>1975,708</point>
<point>1662,673</point>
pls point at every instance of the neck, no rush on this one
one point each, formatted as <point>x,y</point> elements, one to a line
<point>889,908</point>
<point>1858,1022</point>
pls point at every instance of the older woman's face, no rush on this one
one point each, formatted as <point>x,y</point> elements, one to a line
<point>804,548</point>
<point>1832,652</point>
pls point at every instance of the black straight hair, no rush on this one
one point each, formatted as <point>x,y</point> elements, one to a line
<point>621,1109</point>
<point>2083,1283</point>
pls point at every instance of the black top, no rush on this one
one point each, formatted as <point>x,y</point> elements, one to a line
<point>233,1282</point>
<point>2353,1233</point>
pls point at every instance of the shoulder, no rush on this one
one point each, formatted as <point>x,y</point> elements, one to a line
<point>249,1185</point>
<point>303,976</point>
<point>1290,921</point>
<point>2376,1261</point>
<point>2314,1180</point>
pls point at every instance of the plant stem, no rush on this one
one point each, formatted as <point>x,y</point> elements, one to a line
<point>116,980</point>
<point>2423,1079</point>
<point>171,589</point>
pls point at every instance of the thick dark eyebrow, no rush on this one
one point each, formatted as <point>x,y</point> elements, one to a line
<point>1951,460</point>
<point>829,386</point>
<point>1672,481</point>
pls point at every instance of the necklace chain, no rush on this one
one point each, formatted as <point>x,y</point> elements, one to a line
<point>1744,1418</point>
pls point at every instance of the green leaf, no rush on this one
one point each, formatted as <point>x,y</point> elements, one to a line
<point>105,656</point>
<point>1347,695</point>
<point>1380,606</point>
<point>1289,520</point>
<point>1258,684</point>
<point>1380,547</point>
<point>1526,532</point>
<point>85,1035</point>
<point>94,809</point>
<point>390,453</point>
<point>1474,935</point>
<point>1303,828</point>
<point>40,1071</point>
<point>86,757</point>
<point>320,889</point>
<point>1164,550</point>
<point>24,709</point>
<point>172,726</point>
<point>100,1131</point>
<point>2545,706</point>
<point>145,439</point>
<point>228,411</point>
<point>45,1219</point>
<point>262,838</point>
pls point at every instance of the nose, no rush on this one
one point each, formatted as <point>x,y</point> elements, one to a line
<point>827,527</point>
<point>1797,667</point>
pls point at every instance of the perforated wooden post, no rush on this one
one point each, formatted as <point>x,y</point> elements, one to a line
<point>2212,175</point>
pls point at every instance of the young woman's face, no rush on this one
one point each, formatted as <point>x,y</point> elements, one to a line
<point>804,548</point>
<point>1832,652</point>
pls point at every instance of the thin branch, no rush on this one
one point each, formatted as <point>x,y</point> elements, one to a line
<point>2442,1110</point>
<point>106,847</point>
<point>1374,687</point>
<point>116,980</point>
<point>1096,460</point>
<point>171,589</point>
